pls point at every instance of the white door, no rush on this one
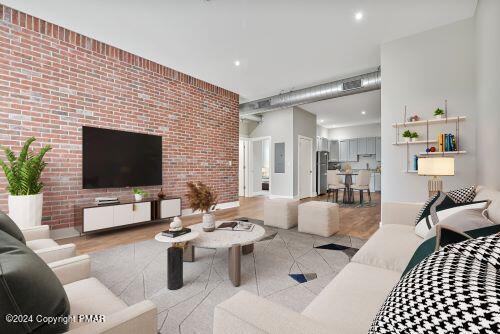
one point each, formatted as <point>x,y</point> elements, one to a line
<point>243,168</point>
<point>255,167</point>
<point>305,172</point>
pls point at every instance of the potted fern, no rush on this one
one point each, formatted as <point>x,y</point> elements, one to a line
<point>24,186</point>
<point>202,198</point>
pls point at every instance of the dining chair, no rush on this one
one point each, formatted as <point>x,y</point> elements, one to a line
<point>334,184</point>
<point>363,184</point>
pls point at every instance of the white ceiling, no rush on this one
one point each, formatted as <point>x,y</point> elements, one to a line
<point>347,110</point>
<point>281,44</point>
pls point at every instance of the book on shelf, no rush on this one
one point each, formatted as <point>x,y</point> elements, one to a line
<point>236,226</point>
<point>175,234</point>
<point>447,142</point>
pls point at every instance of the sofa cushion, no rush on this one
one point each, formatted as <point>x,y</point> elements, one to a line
<point>351,300</point>
<point>41,244</point>
<point>89,296</point>
<point>29,287</point>
<point>391,247</point>
<point>484,193</point>
<point>465,220</point>
<point>7,225</point>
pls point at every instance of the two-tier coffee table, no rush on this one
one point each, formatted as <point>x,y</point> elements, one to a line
<point>236,242</point>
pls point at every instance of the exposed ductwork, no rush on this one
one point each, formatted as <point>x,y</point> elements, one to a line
<point>354,85</point>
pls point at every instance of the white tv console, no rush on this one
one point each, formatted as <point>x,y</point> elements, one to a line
<point>95,218</point>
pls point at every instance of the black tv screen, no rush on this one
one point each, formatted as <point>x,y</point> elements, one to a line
<point>113,159</point>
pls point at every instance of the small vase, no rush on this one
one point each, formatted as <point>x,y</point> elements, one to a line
<point>161,194</point>
<point>208,222</point>
<point>138,197</point>
<point>407,139</point>
<point>438,116</point>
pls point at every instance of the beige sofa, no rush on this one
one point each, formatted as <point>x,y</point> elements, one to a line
<point>88,296</point>
<point>349,303</point>
<point>38,239</point>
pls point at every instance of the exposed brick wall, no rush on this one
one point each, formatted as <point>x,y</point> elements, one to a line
<point>53,81</point>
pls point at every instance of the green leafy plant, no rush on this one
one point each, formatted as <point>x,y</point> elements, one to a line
<point>201,197</point>
<point>414,135</point>
<point>138,191</point>
<point>438,112</point>
<point>23,172</point>
<point>407,134</point>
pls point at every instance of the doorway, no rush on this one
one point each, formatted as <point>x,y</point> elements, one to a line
<point>243,168</point>
<point>305,167</point>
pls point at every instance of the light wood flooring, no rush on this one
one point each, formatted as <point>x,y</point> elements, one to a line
<point>357,222</point>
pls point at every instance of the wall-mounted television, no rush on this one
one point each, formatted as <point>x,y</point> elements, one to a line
<point>114,159</point>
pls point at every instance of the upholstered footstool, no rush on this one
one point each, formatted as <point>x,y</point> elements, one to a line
<point>280,213</point>
<point>320,218</point>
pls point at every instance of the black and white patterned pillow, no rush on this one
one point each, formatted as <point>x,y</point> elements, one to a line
<point>454,290</point>
<point>463,195</point>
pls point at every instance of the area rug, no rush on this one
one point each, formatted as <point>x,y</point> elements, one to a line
<point>287,267</point>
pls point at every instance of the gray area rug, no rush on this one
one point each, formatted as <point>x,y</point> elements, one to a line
<point>287,267</point>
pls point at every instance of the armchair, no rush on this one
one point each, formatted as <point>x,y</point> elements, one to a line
<point>38,239</point>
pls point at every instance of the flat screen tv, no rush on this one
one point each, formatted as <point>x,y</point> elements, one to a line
<point>113,159</point>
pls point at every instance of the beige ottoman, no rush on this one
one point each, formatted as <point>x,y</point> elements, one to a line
<point>280,213</point>
<point>320,218</point>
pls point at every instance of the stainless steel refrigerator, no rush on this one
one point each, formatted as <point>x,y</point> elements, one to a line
<point>321,172</point>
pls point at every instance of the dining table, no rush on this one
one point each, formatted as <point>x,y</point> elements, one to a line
<point>349,199</point>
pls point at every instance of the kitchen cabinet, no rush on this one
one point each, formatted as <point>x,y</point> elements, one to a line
<point>343,150</point>
<point>353,150</point>
<point>334,151</point>
<point>362,146</point>
<point>370,145</point>
<point>378,148</point>
<point>375,182</point>
<point>322,144</point>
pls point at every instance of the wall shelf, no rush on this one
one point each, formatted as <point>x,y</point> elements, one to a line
<point>442,153</point>
<point>430,121</point>
<point>416,142</point>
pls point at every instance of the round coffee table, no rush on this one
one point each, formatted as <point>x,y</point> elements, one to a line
<point>176,256</point>
<point>236,242</point>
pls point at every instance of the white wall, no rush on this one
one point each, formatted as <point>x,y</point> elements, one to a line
<point>304,124</point>
<point>279,126</point>
<point>321,131</point>
<point>421,71</point>
<point>359,131</point>
<point>488,97</point>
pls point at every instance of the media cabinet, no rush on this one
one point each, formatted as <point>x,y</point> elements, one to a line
<point>95,218</point>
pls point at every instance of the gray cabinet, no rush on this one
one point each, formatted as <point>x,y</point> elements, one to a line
<point>370,145</point>
<point>343,150</point>
<point>362,146</point>
<point>378,148</point>
<point>334,151</point>
<point>322,144</point>
<point>353,150</point>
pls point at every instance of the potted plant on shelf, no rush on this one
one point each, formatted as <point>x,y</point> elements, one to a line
<point>407,135</point>
<point>438,113</point>
<point>413,136</point>
<point>139,194</point>
<point>202,198</point>
<point>24,186</point>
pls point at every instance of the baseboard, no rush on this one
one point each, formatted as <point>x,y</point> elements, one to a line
<point>63,233</point>
<point>221,206</point>
<point>280,196</point>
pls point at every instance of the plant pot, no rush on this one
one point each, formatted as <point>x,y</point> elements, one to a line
<point>438,116</point>
<point>138,197</point>
<point>407,139</point>
<point>26,210</point>
<point>208,223</point>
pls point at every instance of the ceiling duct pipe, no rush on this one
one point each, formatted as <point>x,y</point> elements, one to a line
<point>354,85</point>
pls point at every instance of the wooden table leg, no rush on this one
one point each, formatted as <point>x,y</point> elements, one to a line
<point>234,264</point>
<point>247,249</point>
<point>188,255</point>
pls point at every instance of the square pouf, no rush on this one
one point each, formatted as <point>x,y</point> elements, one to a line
<point>281,212</point>
<point>320,218</point>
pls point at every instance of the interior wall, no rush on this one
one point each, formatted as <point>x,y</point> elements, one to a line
<point>487,22</point>
<point>358,131</point>
<point>321,131</point>
<point>304,124</point>
<point>421,71</point>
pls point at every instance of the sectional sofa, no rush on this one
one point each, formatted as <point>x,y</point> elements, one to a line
<point>350,302</point>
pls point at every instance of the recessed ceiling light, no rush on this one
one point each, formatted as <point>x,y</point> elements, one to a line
<point>358,16</point>
<point>237,63</point>
<point>363,112</point>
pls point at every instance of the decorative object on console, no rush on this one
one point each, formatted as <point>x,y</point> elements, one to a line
<point>139,194</point>
<point>436,167</point>
<point>24,186</point>
<point>438,113</point>
<point>176,224</point>
<point>161,194</point>
<point>202,198</point>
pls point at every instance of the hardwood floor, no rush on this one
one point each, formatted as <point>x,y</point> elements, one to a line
<point>356,222</point>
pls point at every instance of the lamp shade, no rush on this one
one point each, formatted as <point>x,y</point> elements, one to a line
<point>439,166</point>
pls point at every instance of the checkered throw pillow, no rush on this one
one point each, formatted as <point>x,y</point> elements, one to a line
<point>454,290</point>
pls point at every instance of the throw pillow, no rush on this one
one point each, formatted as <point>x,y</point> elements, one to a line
<point>30,288</point>
<point>7,225</point>
<point>464,220</point>
<point>454,290</point>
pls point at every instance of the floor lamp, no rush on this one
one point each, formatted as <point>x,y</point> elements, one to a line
<point>436,167</point>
